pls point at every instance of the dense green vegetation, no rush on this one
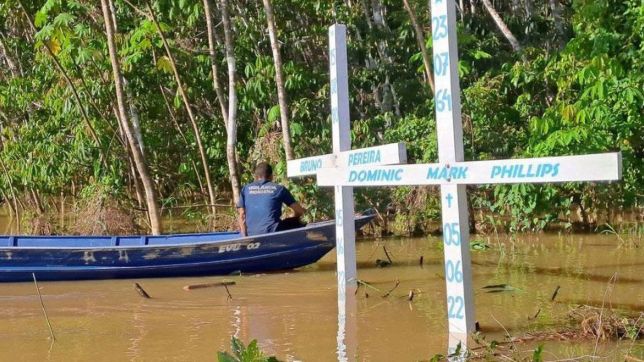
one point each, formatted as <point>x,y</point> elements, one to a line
<point>574,85</point>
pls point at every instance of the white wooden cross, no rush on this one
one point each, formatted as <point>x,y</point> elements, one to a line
<point>343,157</point>
<point>451,173</point>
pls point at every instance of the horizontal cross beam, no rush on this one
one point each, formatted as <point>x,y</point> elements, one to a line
<point>389,154</point>
<point>593,167</point>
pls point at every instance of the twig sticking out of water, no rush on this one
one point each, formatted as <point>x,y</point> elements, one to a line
<point>42,305</point>
<point>421,261</point>
<point>387,254</point>
<point>366,285</point>
<point>230,297</point>
<point>361,283</point>
<point>392,289</point>
<point>609,290</point>
<point>384,263</point>
<point>554,295</point>
<point>141,291</point>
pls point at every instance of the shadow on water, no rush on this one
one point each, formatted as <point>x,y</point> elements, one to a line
<point>568,273</point>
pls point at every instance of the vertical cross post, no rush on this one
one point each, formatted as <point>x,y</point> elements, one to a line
<point>345,230</point>
<point>460,306</point>
<point>340,119</point>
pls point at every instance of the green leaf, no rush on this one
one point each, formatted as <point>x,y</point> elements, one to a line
<point>63,19</point>
<point>537,356</point>
<point>40,19</point>
<point>225,357</point>
<point>296,129</point>
<point>238,347</point>
<point>164,64</point>
<point>479,54</point>
<point>274,113</point>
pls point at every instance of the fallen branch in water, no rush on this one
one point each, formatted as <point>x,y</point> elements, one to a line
<point>554,295</point>
<point>366,285</point>
<point>42,305</point>
<point>141,291</point>
<point>392,289</point>
<point>208,285</point>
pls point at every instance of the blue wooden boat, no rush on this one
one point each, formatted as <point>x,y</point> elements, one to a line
<point>107,257</point>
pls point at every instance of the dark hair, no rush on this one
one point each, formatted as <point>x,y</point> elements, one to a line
<point>263,170</point>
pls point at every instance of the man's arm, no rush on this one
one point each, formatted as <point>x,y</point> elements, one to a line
<point>241,219</point>
<point>298,210</point>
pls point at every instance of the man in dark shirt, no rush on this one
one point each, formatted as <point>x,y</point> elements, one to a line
<point>260,205</point>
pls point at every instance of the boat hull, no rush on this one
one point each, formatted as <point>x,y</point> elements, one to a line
<point>163,256</point>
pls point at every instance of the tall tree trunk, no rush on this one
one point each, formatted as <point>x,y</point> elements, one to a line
<point>279,79</point>
<point>134,116</point>
<point>420,39</point>
<point>36,200</point>
<point>193,120</point>
<point>461,10</point>
<point>134,178</point>
<point>555,9</point>
<point>527,6</point>
<point>232,102</point>
<point>146,180</point>
<point>5,198</point>
<point>212,50</point>
<point>502,26</point>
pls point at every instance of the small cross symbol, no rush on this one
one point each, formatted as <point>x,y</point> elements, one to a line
<point>449,200</point>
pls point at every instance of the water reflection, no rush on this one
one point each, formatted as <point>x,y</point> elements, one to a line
<point>134,351</point>
<point>347,337</point>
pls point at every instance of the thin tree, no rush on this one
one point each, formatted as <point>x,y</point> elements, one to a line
<point>193,120</point>
<point>279,79</point>
<point>501,25</point>
<point>212,51</point>
<point>4,53</point>
<point>231,138</point>
<point>420,39</point>
<point>555,9</point>
<point>146,180</point>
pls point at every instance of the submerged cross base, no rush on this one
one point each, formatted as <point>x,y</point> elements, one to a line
<point>383,166</point>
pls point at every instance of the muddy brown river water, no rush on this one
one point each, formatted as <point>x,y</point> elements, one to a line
<point>293,315</point>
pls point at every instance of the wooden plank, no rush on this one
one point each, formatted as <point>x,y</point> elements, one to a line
<point>594,167</point>
<point>389,154</point>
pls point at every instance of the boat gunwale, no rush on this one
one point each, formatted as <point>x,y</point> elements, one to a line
<point>6,248</point>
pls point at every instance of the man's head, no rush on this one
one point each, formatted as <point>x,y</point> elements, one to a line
<point>263,171</point>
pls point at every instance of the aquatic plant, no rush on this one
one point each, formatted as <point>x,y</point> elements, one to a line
<point>241,353</point>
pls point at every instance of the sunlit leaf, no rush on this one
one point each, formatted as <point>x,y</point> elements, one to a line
<point>164,64</point>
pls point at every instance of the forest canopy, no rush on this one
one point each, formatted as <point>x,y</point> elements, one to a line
<point>156,104</point>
